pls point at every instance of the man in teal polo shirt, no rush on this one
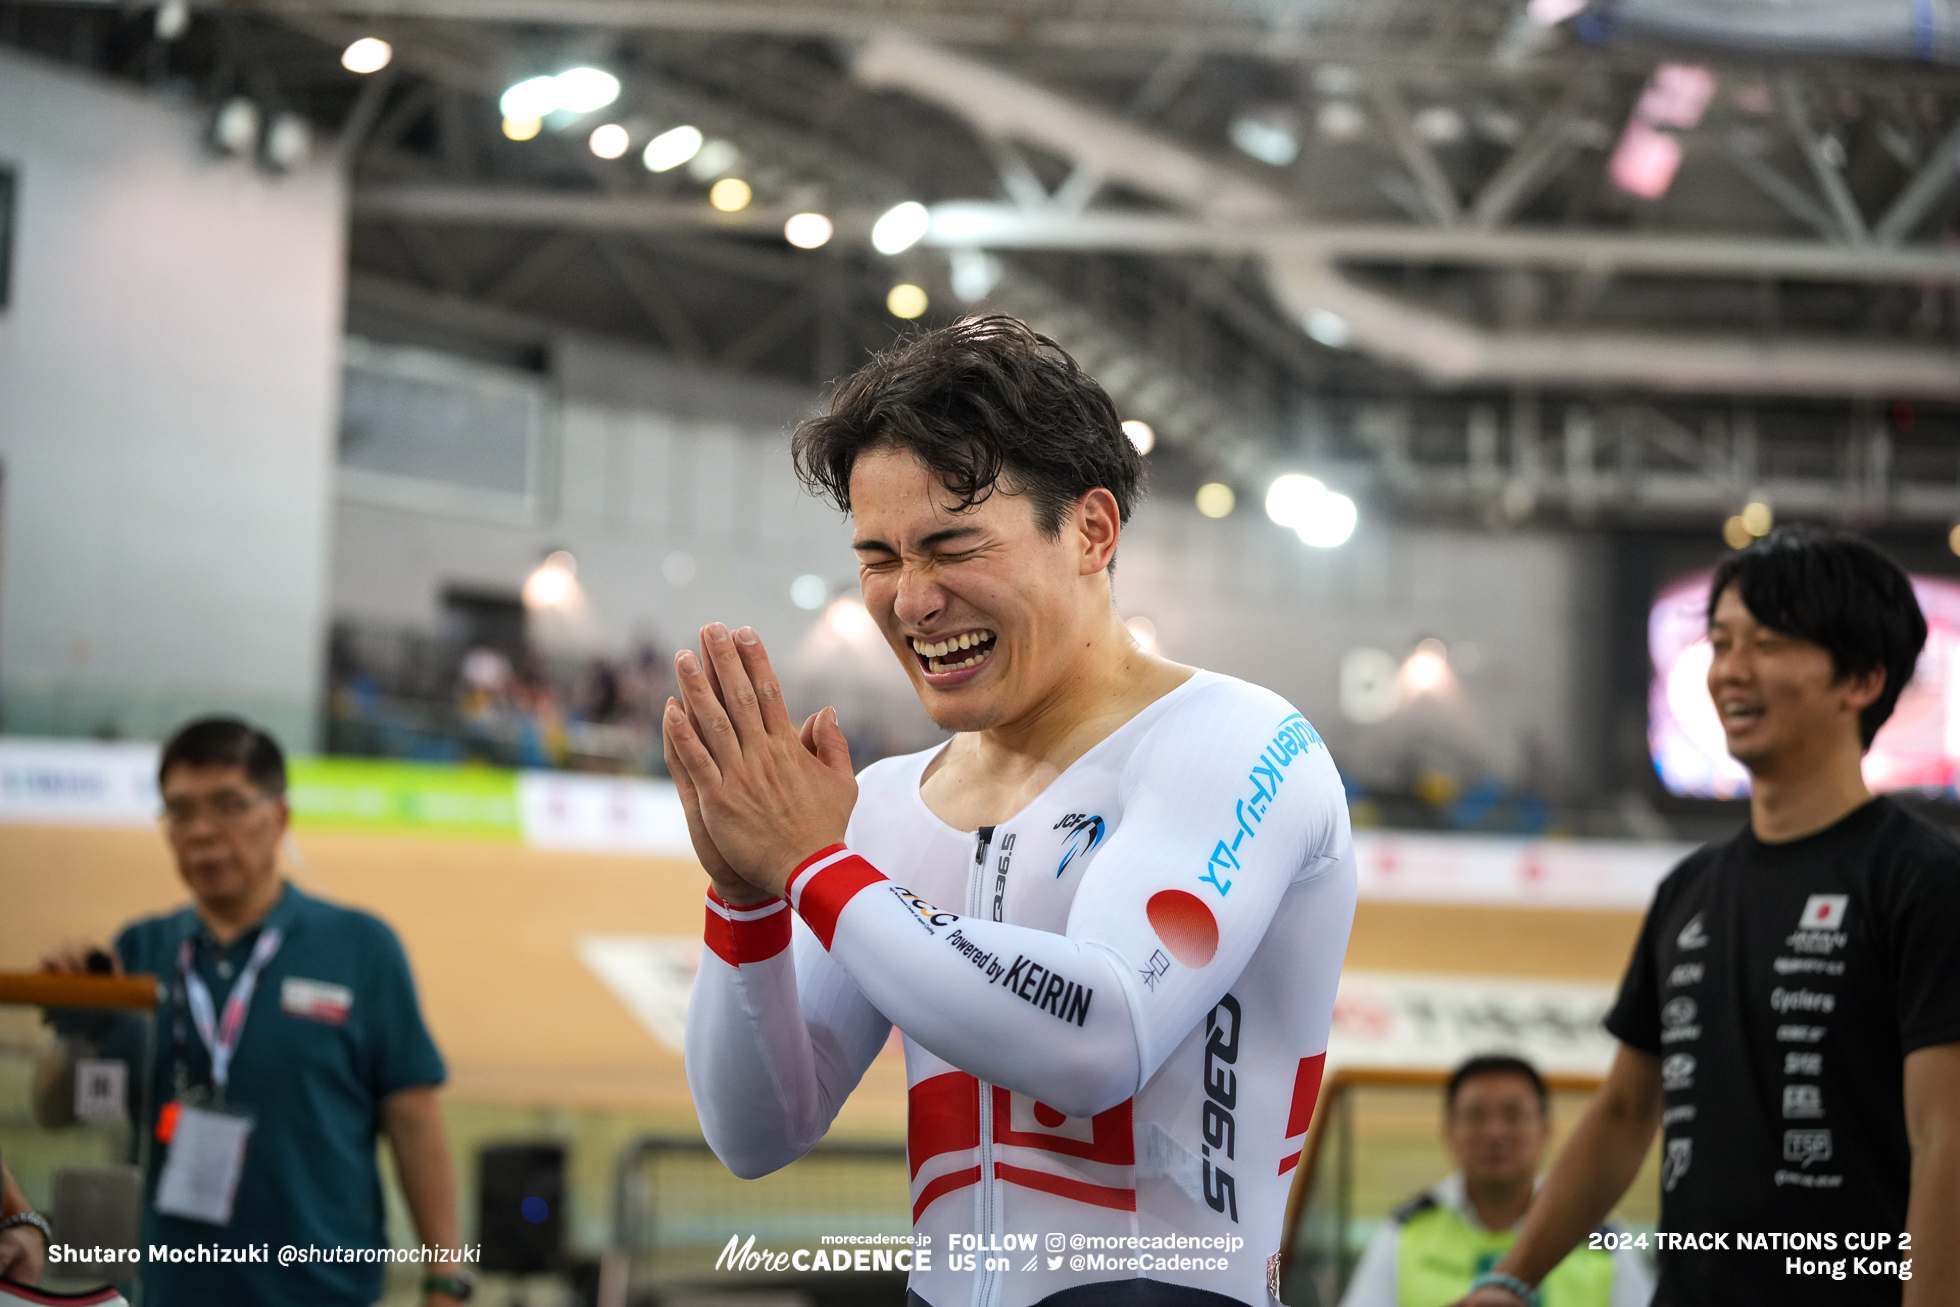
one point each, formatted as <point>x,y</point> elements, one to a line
<point>288,1037</point>
<point>1496,1123</point>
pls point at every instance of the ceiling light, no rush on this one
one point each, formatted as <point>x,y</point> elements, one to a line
<point>807,231</point>
<point>288,141</point>
<point>1756,516</point>
<point>900,228</point>
<point>1340,120</point>
<point>808,591</point>
<point>1328,327</point>
<point>730,195</point>
<point>370,54</point>
<point>1428,668</point>
<point>1141,435</point>
<point>1320,517</point>
<point>554,582</point>
<point>1644,162</point>
<point>522,129</point>
<point>609,140</point>
<point>975,272</point>
<point>1287,499</point>
<point>235,130</point>
<point>576,90</point>
<point>672,148</point>
<point>906,301</point>
<point>1735,532</point>
<point>173,19</point>
<point>715,158</point>
<point>1332,522</point>
<point>1550,13</point>
<point>532,98</point>
<point>583,90</point>
<point>848,619</point>
<point>1215,499</point>
<point>1265,138</point>
<point>1439,125</point>
<point>1647,156</point>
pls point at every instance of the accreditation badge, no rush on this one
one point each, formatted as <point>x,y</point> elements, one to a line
<point>207,1156</point>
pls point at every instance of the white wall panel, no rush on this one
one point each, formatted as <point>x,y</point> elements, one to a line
<point>168,382</point>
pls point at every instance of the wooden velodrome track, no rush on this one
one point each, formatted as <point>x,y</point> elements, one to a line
<point>492,929</point>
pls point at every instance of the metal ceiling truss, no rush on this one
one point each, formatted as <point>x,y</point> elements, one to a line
<point>1507,461</point>
<point>1183,274</point>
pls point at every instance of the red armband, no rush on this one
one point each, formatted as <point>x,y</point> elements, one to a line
<point>824,882</point>
<point>754,933</point>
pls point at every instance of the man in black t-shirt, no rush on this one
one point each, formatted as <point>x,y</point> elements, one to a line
<point>1791,1016</point>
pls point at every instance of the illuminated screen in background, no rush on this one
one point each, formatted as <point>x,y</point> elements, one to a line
<point>1919,748</point>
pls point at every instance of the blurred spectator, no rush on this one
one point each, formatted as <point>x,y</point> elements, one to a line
<point>24,1236</point>
<point>601,701</point>
<point>1496,1123</point>
<point>288,1039</point>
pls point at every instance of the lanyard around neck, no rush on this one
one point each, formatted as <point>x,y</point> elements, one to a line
<point>221,1036</point>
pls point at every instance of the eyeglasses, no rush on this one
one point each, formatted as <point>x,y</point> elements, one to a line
<point>1508,1115</point>
<point>225,808</point>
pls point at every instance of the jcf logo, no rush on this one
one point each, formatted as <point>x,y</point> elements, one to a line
<point>1221,1096</point>
<point>1084,834</point>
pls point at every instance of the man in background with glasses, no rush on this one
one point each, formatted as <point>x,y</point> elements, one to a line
<point>288,1036</point>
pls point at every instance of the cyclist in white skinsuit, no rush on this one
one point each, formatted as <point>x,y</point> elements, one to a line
<point>1068,983</point>
<point>1115,997</point>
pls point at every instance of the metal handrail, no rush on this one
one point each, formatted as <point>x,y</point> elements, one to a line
<point>91,990</point>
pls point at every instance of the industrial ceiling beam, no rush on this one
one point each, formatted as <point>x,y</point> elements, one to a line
<point>1935,175</point>
<point>1309,283</point>
<point>963,224</point>
<point>1002,107</point>
<point>1245,27</point>
<point>1449,351</point>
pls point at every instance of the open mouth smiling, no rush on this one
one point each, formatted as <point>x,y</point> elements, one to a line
<point>955,653</point>
<point>1740,713</point>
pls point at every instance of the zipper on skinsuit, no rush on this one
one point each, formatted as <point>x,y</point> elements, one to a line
<point>984,1281</point>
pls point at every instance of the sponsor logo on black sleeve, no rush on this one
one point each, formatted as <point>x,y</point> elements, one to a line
<point>1678,1071</point>
<point>1692,935</point>
<point>1687,973</point>
<point>1801,1000</point>
<point>1801,1034</point>
<point>1678,1020</point>
<point>1802,1102</point>
<point>1221,1098</point>
<point>1680,1155</point>
<point>1806,1146</point>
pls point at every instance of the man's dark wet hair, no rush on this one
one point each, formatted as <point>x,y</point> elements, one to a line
<point>227,742</point>
<point>1837,591</point>
<point>985,404</point>
<point>1497,1064</point>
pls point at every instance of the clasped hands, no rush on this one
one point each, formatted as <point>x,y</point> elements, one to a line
<point>760,795</point>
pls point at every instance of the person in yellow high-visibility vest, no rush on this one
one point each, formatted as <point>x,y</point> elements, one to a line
<point>1496,1123</point>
